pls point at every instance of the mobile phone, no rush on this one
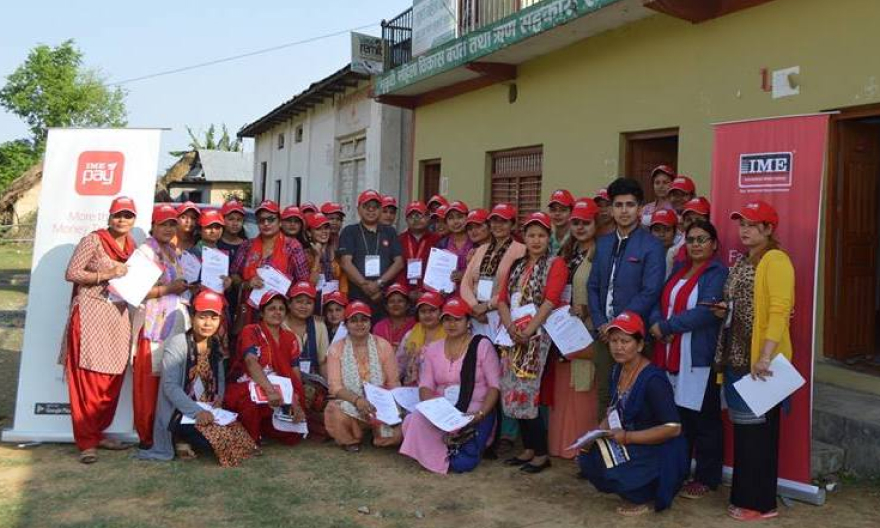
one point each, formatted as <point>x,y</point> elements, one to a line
<point>716,305</point>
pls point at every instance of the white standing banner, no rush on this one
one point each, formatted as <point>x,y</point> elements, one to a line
<point>83,171</point>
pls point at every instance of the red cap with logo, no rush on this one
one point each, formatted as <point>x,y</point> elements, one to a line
<point>188,206</point>
<point>318,220</point>
<point>663,169</point>
<point>335,297</point>
<point>585,209</point>
<point>664,217</point>
<point>698,205</point>
<point>369,196</point>
<point>477,216</point>
<point>211,217</point>
<point>164,213</point>
<point>504,211</point>
<point>208,301</point>
<point>440,212</point>
<point>397,288</point>
<point>268,296</point>
<point>684,184</point>
<point>329,208</point>
<point>629,323</point>
<point>267,205</point>
<point>455,307</point>
<point>292,211</point>
<point>757,211</point>
<point>355,308</point>
<point>303,288</point>
<point>308,207</point>
<point>389,201</point>
<point>232,206</point>
<point>538,218</point>
<point>438,199</point>
<point>416,207</point>
<point>121,204</point>
<point>561,197</point>
<point>602,194</point>
<point>431,299</point>
<point>457,205</point>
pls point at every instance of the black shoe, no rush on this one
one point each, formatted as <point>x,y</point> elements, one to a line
<point>514,461</point>
<point>532,469</point>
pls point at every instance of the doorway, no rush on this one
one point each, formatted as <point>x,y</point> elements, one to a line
<point>852,291</point>
<point>430,179</point>
<point>643,151</point>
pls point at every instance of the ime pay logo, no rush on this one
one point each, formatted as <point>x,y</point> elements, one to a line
<point>99,173</point>
<point>767,170</point>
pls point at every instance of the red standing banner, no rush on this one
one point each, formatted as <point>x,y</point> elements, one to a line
<point>781,161</point>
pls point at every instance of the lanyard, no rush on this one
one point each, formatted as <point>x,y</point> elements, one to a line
<point>409,245</point>
<point>364,237</point>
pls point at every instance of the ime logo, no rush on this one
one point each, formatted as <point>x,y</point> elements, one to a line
<point>99,173</point>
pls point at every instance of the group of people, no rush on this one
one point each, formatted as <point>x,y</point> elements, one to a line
<point>673,328</point>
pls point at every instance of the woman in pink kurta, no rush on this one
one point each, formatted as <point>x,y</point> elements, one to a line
<point>442,376</point>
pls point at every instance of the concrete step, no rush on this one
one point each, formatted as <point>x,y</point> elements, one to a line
<point>849,420</point>
<point>826,460</point>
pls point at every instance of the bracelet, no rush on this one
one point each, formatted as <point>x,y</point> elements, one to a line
<point>625,439</point>
<point>97,278</point>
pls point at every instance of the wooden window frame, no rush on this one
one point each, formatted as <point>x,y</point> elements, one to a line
<point>523,209</point>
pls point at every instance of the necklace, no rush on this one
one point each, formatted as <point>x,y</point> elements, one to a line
<point>628,381</point>
<point>457,348</point>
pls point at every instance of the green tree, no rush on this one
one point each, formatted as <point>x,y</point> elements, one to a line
<point>210,141</point>
<point>52,88</point>
<point>15,158</point>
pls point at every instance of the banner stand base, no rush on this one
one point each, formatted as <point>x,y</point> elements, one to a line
<point>791,489</point>
<point>61,437</point>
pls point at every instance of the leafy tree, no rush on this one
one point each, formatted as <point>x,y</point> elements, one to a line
<point>53,89</point>
<point>15,158</point>
<point>210,141</point>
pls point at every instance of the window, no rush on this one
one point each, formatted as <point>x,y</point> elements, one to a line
<point>430,179</point>
<point>297,190</point>
<point>278,191</point>
<point>516,178</point>
<point>351,171</point>
<point>264,175</point>
<point>281,141</point>
<point>298,134</point>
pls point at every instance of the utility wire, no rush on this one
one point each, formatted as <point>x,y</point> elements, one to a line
<point>240,56</point>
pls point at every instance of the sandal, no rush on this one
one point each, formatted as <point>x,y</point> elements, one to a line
<point>747,515</point>
<point>633,510</point>
<point>112,445</point>
<point>694,490</point>
<point>185,452</point>
<point>89,456</point>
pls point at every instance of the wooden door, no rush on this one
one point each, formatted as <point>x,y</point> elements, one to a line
<point>430,179</point>
<point>857,218</point>
<point>645,151</point>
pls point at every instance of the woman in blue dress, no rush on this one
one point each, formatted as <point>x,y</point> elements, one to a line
<point>642,458</point>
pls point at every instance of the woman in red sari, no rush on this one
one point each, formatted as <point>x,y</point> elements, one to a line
<point>264,349</point>
<point>270,248</point>
<point>98,339</point>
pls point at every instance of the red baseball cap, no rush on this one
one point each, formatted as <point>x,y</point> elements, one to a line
<point>232,206</point>
<point>698,205</point>
<point>439,199</point>
<point>455,307</point>
<point>416,207</point>
<point>317,220</point>
<point>292,211</point>
<point>629,323</point>
<point>684,184</point>
<point>440,212</point>
<point>306,207</point>
<point>477,216</point>
<point>208,301</point>
<point>267,205</point>
<point>335,297</point>
<point>664,217</point>
<point>561,197</point>
<point>663,169</point>
<point>303,288</point>
<point>757,211</point>
<point>188,206</point>
<point>397,288</point>
<point>457,205</point>
<point>357,307</point>
<point>369,196</point>
<point>389,201</point>
<point>431,299</point>
<point>164,213</point>
<point>602,194</point>
<point>329,208</point>
<point>268,296</point>
<point>584,209</point>
<point>504,211</point>
<point>211,217</point>
<point>122,203</point>
<point>538,218</point>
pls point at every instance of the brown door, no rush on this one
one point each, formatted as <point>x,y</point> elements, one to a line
<point>430,179</point>
<point>646,150</point>
<point>857,218</point>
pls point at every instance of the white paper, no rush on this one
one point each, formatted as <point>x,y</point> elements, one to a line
<point>273,280</point>
<point>329,287</point>
<point>406,397</point>
<point>383,401</point>
<point>451,393</point>
<point>141,276</point>
<point>526,310</point>
<point>192,268</point>
<point>689,387</point>
<point>305,366</point>
<point>484,290</point>
<point>215,265</point>
<point>567,331</point>
<point>502,338</point>
<point>372,266</point>
<point>490,328</point>
<point>588,438</point>
<point>341,333</point>
<point>279,382</point>
<point>414,269</point>
<point>443,414</point>
<point>222,417</point>
<point>761,396</point>
<point>198,388</point>
<point>287,426</point>
<point>441,264</point>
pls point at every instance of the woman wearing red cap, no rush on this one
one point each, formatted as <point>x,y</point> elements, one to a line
<point>394,327</point>
<point>212,225</point>
<point>326,270</point>
<point>643,459</point>
<point>661,179</point>
<point>456,240</point>
<point>758,301</point>
<point>560,206</point>
<point>333,307</point>
<point>575,396</point>
<point>681,190</point>
<point>478,230</point>
<point>163,315</point>
<point>357,359</point>
<point>264,349</point>
<point>269,248</point>
<point>464,369</point>
<point>426,331</point>
<point>664,227</point>
<point>388,216</point>
<point>187,226</point>
<point>604,220</point>
<point>193,383</point>
<point>293,224</point>
<point>233,233</point>
<point>537,280</point>
<point>97,343</point>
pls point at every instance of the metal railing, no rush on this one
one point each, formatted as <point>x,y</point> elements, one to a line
<point>17,233</point>
<point>475,14</point>
<point>397,38</point>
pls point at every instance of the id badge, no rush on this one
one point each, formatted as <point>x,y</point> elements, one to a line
<point>614,419</point>
<point>372,266</point>
<point>329,287</point>
<point>515,300</point>
<point>414,269</point>
<point>484,289</point>
<point>566,294</point>
<point>305,366</point>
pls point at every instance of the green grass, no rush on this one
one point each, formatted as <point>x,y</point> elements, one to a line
<point>15,257</point>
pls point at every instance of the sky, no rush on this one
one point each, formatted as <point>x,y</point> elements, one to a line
<point>125,40</point>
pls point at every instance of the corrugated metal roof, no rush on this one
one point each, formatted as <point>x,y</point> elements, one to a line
<point>223,166</point>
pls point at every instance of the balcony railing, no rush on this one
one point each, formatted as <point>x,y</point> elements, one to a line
<point>397,36</point>
<point>474,14</point>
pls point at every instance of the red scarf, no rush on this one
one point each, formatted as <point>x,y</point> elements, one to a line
<point>254,258</point>
<point>671,361</point>
<point>112,248</point>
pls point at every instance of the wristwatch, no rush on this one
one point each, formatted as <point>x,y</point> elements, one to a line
<point>380,283</point>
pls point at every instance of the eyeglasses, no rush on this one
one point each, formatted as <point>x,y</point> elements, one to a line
<point>415,216</point>
<point>267,219</point>
<point>697,241</point>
